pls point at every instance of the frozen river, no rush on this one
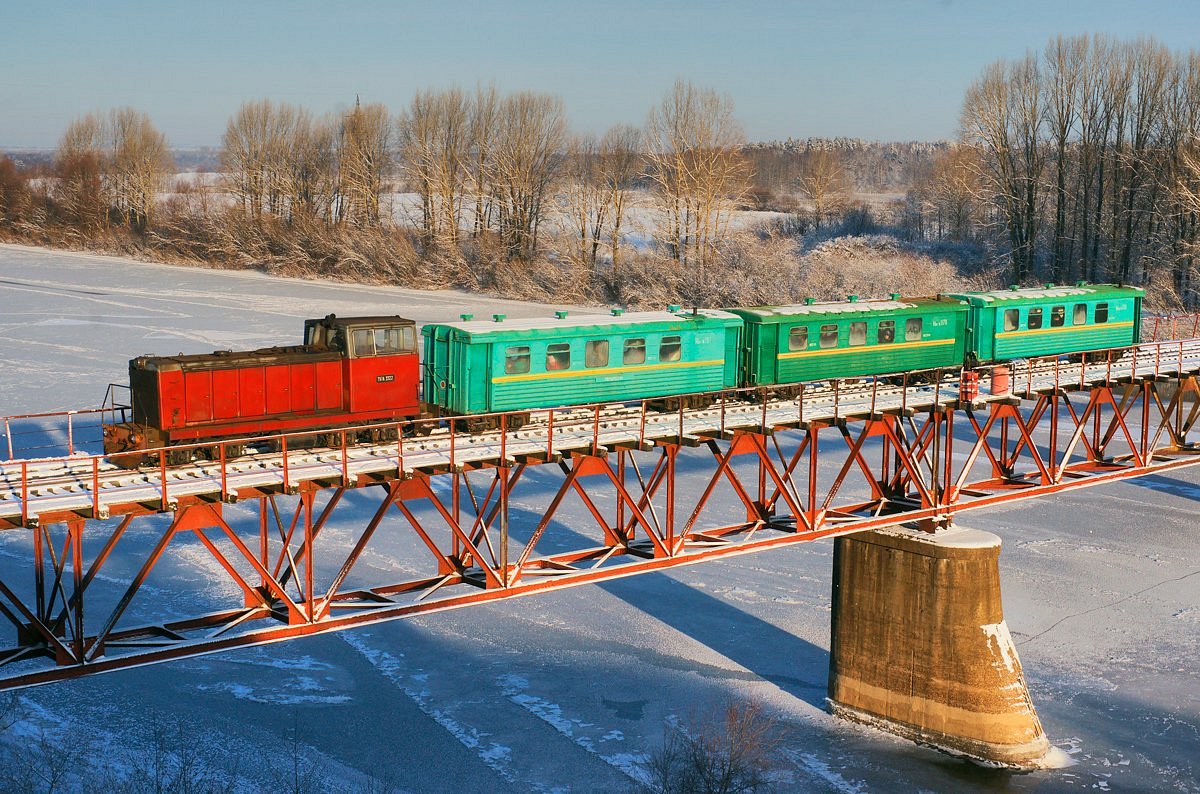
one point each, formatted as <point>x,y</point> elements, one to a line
<point>570,691</point>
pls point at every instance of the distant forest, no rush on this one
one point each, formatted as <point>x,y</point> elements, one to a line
<point>1077,163</point>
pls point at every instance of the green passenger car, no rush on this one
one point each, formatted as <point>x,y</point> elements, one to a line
<point>474,367</point>
<point>840,339</point>
<point>1022,323</point>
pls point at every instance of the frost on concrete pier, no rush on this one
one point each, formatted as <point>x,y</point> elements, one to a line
<point>920,647</point>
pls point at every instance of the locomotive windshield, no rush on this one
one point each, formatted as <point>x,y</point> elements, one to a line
<point>384,341</point>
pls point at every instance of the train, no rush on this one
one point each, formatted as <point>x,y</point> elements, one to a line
<point>367,373</point>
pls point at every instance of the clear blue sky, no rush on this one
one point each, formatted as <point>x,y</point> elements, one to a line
<point>877,69</point>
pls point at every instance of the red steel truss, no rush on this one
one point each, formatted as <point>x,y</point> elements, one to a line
<point>753,471</point>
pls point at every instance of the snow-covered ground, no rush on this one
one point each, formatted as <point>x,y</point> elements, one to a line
<point>570,691</point>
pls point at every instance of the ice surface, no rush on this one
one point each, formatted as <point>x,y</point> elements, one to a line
<point>570,691</point>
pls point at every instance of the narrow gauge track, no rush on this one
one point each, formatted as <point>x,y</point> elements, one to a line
<point>90,486</point>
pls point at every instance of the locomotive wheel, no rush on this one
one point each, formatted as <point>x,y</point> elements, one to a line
<point>419,429</point>
<point>178,457</point>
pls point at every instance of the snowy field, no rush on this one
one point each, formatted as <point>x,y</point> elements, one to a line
<point>570,691</point>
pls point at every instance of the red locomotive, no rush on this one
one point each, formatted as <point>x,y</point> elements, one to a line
<point>349,371</point>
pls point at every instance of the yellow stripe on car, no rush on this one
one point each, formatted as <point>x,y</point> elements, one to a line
<point>867,348</point>
<point>575,373</point>
<point>1061,328</point>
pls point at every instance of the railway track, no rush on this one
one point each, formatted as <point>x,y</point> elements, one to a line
<point>93,487</point>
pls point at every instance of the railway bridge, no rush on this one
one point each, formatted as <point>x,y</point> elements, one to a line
<point>887,464</point>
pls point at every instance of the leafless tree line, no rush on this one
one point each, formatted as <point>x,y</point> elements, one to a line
<point>488,165</point>
<point>281,161</point>
<point>111,168</point>
<point>1079,162</point>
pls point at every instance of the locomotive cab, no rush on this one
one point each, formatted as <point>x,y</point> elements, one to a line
<point>380,366</point>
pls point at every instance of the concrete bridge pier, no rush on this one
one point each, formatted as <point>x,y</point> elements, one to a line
<point>920,648</point>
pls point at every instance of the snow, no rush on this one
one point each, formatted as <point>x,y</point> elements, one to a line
<point>570,690</point>
<point>998,633</point>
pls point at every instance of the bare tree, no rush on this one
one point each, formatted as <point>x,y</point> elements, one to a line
<point>586,198</point>
<point>14,192</point>
<point>697,167</point>
<point>365,159</point>
<point>140,163</point>
<point>308,177</point>
<point>726,754</point>
<point>528,154</point>
<point>823,182</point>
<point>484,120</point>
<point>80,165</point>
<point>621,163</point>
<point>1002,116</point>
<point>434,143</point>
<point>1064,57</point>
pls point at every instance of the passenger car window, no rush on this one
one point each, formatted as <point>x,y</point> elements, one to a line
<point>887,332</point>
<point>1080,314</point>
<point>364,342</point>
<point>1101,312</point>
<point>913,328</point>
<point>1012,319</point>
<point>670,349</point>
<point>858,334</point>
<point>829,336</point>
<point>798,338</point>
<point>635,352</point>
<point>595,353</point>
<point>516,360</point>
<point>1058,316</point>
<point>1035,318</point>
<point>558,356</point>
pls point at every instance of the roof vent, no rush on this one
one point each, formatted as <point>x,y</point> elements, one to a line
<point>617,312</point>
<point>852,298</point>
<point>1049,285</point>
<point>1013,287</point>
<point>498,318</point>
<point>1082,283</point>
<point>809,301</point>
<point>895,296</point>
<point>674,307</point>
<point>561,315</point>
<point>467,317</point>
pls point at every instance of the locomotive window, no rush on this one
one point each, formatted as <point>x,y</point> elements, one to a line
<point>635,352</point>
<point>1012,319</point>
<point>388,340</point>
<point>1101,312</point>
<point>858,334</point>
<point>409,336</point>
<point>558,356</point>
<point>887,332</point>
<point>595,353</point>
<point>913,328</point>
<point>1080,314</point>
<point>670,349</point>
<point>1035,318</point>
<point>1058,316</point>
<point>516,360</point>
<point>798,338</point>
<point>364,342</point>
<point>829,335</point>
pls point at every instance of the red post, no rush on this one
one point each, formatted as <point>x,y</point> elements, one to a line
<point>24,494</point>
<point>95,486</point>
<point>283,448</point>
